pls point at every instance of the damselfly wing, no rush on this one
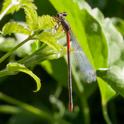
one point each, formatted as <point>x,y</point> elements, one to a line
<point>81,62</point>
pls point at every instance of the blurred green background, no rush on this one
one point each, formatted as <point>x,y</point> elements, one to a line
<point>52,99</point>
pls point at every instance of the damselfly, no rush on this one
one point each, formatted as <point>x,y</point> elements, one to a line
<point>83,63</point>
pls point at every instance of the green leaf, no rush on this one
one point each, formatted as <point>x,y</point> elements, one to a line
<point>7,44</point>
<point>43,53</point>
<point>10,6</point>
<point>119,23</point>
<point>115,77</point>
<point>16,67</point>
<point>107,93</point>
<point>45,22</point>
<point>27,1</point>
<point>115,41</point>
<point>14,27</point>
<point>49,39</point>
<point>91,37</point>
<point>57,69</point>
<point>96,41</point>
<point>31,17</point>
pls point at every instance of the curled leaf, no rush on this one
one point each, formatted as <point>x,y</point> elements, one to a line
<point>16,67</point>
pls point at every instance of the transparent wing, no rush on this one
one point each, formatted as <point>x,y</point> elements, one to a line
<point>79,59</point>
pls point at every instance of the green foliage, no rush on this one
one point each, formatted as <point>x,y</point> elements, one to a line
<point>14,27</point>
<point>31,17</point>
<point>49,39</point>
<point>45,22</point>
<point>107,93</point>
<point>11,6</point>
<point>61,68</point>
<point>7,44</point>
<point>101,39</point>
<point>15,67</point>
<point>119,23</point>
<point>44,53</point>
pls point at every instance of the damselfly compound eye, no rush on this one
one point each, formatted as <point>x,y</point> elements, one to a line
<point>61,15</point>
<point>64,14</point>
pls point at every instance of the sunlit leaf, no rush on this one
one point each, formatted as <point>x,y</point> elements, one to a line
<point>115,78</point>
<point>31,17</point>
<point>16,67</point>
<point>14,27</point>
<point>45,22</point>
<point>107,93</point>
<point>7,44</point>
<point>10,6</point>
<point>50,40</point>
<point>43,53</point>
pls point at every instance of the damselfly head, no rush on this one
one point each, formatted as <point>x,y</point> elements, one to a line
<point>61,15</point>
<point>64,14</point>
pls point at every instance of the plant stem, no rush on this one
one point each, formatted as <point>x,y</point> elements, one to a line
<point>85,109</point>
<point>32,109</point>
<point>25,106</point>
<point>80,91</point>
<point>105,114</point>
<point>9,109</point>
<point>13,49</point>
